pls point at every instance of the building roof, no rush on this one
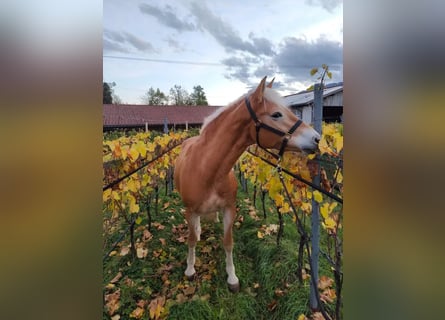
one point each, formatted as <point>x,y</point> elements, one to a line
<point>117,115</point>
<point>307,97</point>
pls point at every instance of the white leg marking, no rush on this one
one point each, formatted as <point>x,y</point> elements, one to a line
<point>197,223</point>
<point>232,279</point>
<point>190,271</point>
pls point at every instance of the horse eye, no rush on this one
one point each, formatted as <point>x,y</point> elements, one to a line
<point>276,115</point>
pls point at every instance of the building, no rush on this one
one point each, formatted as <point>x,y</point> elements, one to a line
<point>302,103</point>
<point>118,116</point>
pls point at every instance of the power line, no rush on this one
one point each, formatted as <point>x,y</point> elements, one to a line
<point>216,64</point>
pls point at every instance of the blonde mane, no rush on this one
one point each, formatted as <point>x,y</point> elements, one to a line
<point>271,95</point>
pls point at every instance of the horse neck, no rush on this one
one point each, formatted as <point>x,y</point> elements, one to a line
<point>226,138</point>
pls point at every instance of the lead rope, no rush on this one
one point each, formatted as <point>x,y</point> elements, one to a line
<point>303,242</point>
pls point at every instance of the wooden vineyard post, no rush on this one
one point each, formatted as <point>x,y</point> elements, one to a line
<point>315,217</point>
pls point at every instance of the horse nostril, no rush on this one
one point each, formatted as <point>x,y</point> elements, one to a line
<point>317,140</point>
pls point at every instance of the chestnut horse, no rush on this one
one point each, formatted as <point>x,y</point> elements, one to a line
<point>204,173</point>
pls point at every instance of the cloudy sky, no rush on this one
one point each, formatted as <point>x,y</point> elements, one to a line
<point>224,46</point>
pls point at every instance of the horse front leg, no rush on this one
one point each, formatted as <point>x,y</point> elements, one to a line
<point>232,279</point>
<point>194,227</point>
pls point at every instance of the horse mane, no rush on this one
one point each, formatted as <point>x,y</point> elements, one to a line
<point>270,95</point>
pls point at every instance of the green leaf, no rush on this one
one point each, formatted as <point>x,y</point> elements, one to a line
<point>138,220</point>
<point>329,74</point>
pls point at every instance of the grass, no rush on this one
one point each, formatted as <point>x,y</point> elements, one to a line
<point>267,272</point>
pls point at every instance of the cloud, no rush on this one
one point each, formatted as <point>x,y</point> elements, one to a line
<point>329,5</point>
<point>175,45</point>
<point>118,42</point>
<point>109,46</point>
<point>298,56</point>
<point>167,17</point>
<point>238,68</point>
<point>225,34</point>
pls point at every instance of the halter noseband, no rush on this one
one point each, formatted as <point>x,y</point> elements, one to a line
<point>259,125</point>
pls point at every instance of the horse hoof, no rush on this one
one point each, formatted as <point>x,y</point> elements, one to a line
<point>234,288</point>
<point>192,277</point>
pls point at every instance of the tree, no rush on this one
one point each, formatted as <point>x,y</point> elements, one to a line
<point>179,96</point>
<point>321,75</point>
<point>116,99</point>
<point>198,96</point>
<point>108,92</point>
<point>154,97</point>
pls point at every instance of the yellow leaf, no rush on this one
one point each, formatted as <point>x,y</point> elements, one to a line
<point>115,195</point>
<point>260,235</point>
<point>133,185</point>
<point>106,195</point>
<point>332,206</point>
<point>338,142</point>
<point>329,223</point>
<point>339,177</point>
<point>306,206</point>
<point>285,208</point>
<point>141,148</point>
<point>134,207</point>
<point>279,200</point>
<point>317,196</point>
<point>324,210</point>
<point>151,147</point>
<point>311,156</point>
<point>134,155</point>
<point>146,179</point>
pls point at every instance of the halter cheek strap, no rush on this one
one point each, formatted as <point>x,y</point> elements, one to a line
<point>259,125</point>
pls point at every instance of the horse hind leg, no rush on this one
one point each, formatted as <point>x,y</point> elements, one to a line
<point>232,279</point>
<point>194,227</point>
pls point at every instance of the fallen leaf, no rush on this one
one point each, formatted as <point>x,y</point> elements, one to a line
<point>279,292</point>
<point>272,306</point>
<point>124,251</point>
<point>206,249</point>
<point>205,297</point>
<point>110,286</point>
<point>147,235</point>
<point>189,290</point>
<point>207,277</point>
<point>141,303</point>
<point>317,316</point>
<point>112,303</point>
<point>141,252</point>
<point>137,313</point>
<point>324,282</point>
<point>180,298</point>
<point>116,317</point>
<point>256,285</point>
<point>162,240</point>
<point>328,295</point>
<point>116,278</point>
<point>156,307</point>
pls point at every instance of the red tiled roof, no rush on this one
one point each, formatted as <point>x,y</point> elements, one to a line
<point>138,115</point>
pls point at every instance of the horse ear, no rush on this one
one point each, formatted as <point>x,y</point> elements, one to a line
<point>270,83</point>
<point>259,91</point>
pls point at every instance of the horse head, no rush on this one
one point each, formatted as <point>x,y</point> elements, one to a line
<point>274,125</point>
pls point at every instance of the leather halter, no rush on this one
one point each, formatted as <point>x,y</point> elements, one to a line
<point>259,124</point>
